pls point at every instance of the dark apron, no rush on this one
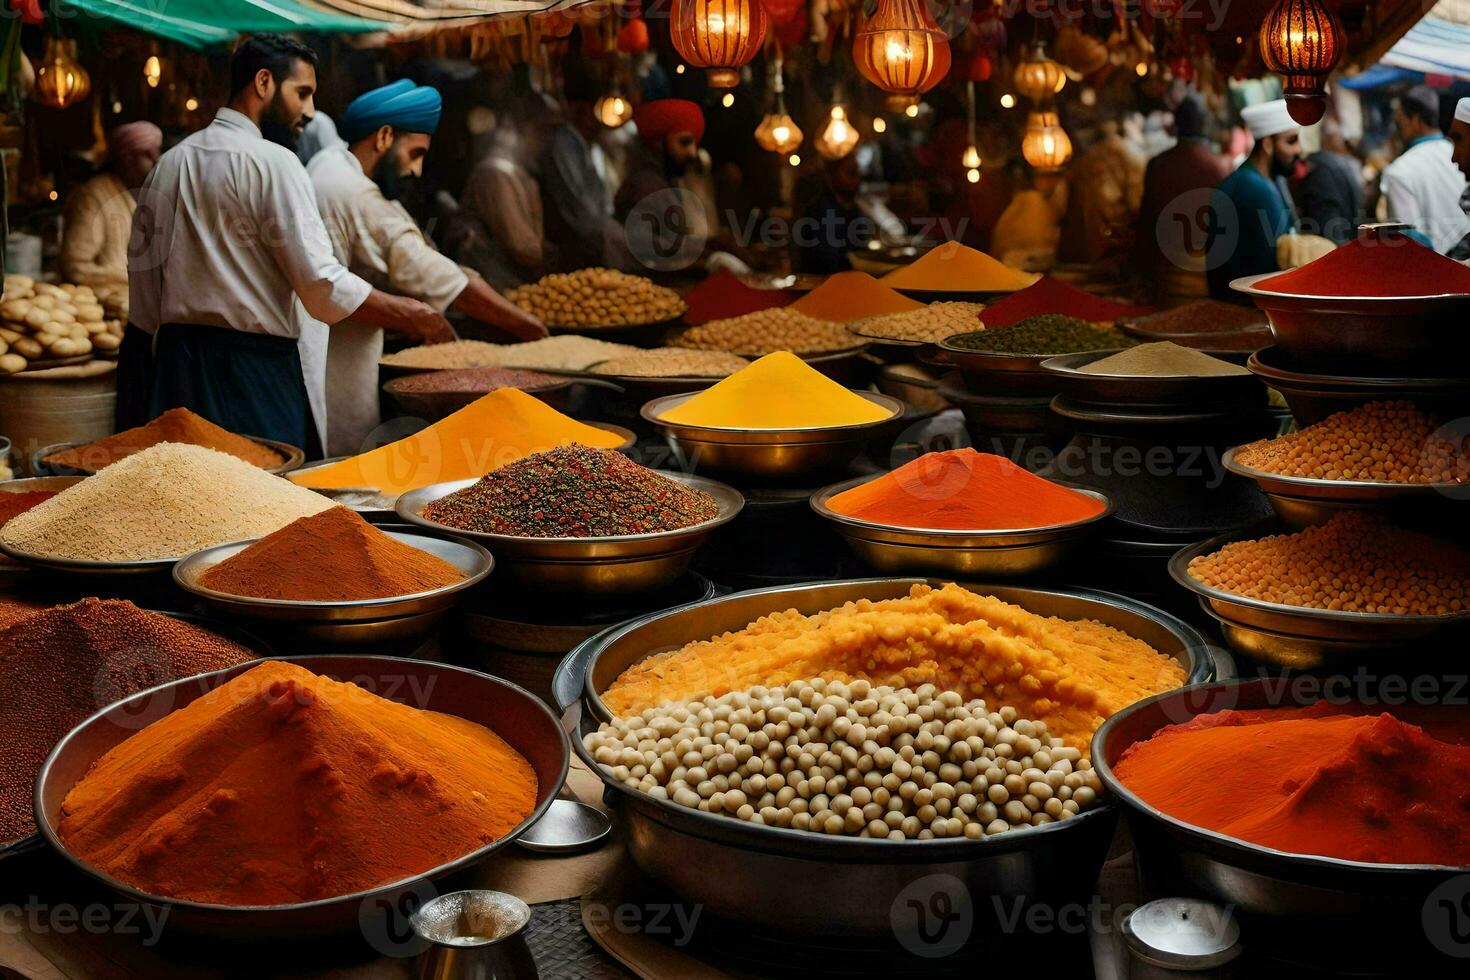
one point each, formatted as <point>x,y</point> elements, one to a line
<point>134,378</point>
<point>248,383</point>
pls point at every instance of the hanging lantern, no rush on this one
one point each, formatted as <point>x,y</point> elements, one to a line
<point>902,51</point>
<point>718,35</point>
<point>61,81</point>
<point>1038,77</point>
<point>778,132</point>
<point>1302,40</point>
<point>1045,144</point>
<point>839,137</point>
<point>612,110</point>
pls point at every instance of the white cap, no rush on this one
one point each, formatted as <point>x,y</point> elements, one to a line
<point>1268,119</point>
<point>1462,111</point>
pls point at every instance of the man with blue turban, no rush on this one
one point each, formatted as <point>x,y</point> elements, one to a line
<point>388,132</point>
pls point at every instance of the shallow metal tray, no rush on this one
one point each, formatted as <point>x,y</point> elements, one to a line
<point>511,712</point>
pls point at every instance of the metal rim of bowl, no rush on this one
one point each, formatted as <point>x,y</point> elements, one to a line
<point>1310,488</point>
<point>291,456</point>
<point>557,328</point>
<point>1248,285</point>
<point>558,382</point>
<point>88,566</point>
<point>1342,384</point>
<point>842,847</point>
<point>1119,791</point>
<point>963,540</point>
<point>48,834</point>
<point>1179,571</point>
<point>989,360</point>
<point>731,501</point>
<point>186,565</point>
<point>834,433</point>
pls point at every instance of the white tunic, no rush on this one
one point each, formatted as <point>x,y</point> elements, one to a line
<point>227,234</point>
<point>377,239</point>
<point>1423,188</point>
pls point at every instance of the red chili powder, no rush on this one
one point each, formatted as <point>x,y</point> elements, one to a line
<point>723,295</point>
<point>1343,781</point>
<point>1388,266</point>
<point>1051,295</point>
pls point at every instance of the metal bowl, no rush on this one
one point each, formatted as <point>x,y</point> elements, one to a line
<point>11,569</point>
<point>625,563</point>
<point>999,554</point>
<point>1302,501</point>
<point>1365,333</point>
<point>511,712</point>
<point>914,385</point>
<point>436,405</point>
<point>1313,397</point>
<point>1001,374</point>
<point>362,620</point>
<point>1375,909</point>
<point>1242,390</point>
<point>80,566</point>
<point>1348,631</point>
<point>292,457</point>
<point>767,452</point>
<point>743,871</point>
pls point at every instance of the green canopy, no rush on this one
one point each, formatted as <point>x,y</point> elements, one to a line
<point>212,23</point>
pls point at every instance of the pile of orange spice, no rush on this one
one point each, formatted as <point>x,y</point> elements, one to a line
<point>283,786</point>
<point>175,425</point>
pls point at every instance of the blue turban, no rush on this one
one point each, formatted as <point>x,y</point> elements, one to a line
<point>407,107</point>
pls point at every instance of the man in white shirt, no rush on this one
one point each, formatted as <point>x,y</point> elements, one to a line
<point>1423,186</point>
<point>232,278</point>
<point>387,133</point>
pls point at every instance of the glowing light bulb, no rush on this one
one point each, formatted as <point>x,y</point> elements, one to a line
<point>116,108</point>
<point>971,159</point>
<point>728,100</point>
<point>972,175</point>
<point>1141,69</point>
<point>678,69</point>
<point>912,111</point>
<point>153,70</point>
<point>795,159</point>
<point>54,196</point>
<point>1008,101</point>
<point>191,104</point>
<point>880,125</point>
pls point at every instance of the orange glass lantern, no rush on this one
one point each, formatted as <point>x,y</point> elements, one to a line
<point>839,137</point>
<point>1045,144</point>
<point>718,35</point>
<point>1302,40</point>
<point>1039,77</point>
<point>61,81</point>
<point>901,50</point>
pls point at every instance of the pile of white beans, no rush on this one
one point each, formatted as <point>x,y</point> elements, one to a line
<point>851,759</point>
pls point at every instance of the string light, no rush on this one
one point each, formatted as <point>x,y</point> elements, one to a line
<point>678,69</point>
<point>972,175</point>
<point>191,103</point>
<point>54,196</point>
<point>1008,101</point>
<point>153,70</point>
<point>880,125</point>
<point>795,159</point>
<point>1141,69</point>
<point>728,100</point>
<point>912,111</point>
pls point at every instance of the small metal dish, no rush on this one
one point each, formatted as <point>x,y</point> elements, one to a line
<point>999,554</point>
<point>514,714</point>
<point>1301,501</point>
<point>1313,397</point>
<point>361,620</point>
<point>767,453</point>
<point>1377,631</point>
<point>626,563</point>
<point>291,456</point>
<point>1141,390</point>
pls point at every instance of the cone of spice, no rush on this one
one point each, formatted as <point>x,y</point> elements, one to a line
<point>1375,265</point>
<point>176,425</point>
<point>779,391</point>
<point>59,666</point>
<point>574,492</point>
<point>953,267</point>
<point>849,296</point>
<point>723,295</point>
<point>334,556</point>
<point>1051,295</point>
<point>283,787</point>
<point>1162,359</point>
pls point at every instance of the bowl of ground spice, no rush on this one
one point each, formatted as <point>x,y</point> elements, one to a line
<point>1205,324</point>
<point>961,513</point>
<point>61,664</point>
<point>355,780</point>
<point>1156,373</point>
<point>1007,360</point>
<point>336,578</point>
<point>579,519</point>
<point>432,395</point>
<point>1331,822</point>
<point>19,496</point>
<point>1382,303</point>
<point>178,425</point>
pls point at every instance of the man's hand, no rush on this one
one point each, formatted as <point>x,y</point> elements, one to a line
<point>480,302</point>
<point>419,321</point>
<point>426,324</point>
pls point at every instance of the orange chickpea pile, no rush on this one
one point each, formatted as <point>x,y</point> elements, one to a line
<point>1385,441</point>
<point>1352,563</point>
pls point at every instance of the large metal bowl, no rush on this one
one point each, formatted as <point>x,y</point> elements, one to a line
<point>998,554</point>
<point>1226,390</point>
<point>1264,630</point>
<point>1410,334</point>
<point>625,563</point>
<point>1352,911</point>
<point>361,620</point>
<point>989,373</point>
<point>767,453</point>
<point>1313,397</point>
<point>291,457</point>
<point>510,711</point>
<point>1302,501</point>
<point>744,872</point>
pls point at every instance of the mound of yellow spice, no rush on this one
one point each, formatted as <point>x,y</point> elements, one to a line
<point>1069,674</point>
<point>283,786</point>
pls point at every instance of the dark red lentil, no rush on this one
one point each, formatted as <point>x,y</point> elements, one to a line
<point>60,665</point>
<point>574,492</point>
<point>473,380</point>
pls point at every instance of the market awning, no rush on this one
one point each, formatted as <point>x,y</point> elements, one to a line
<point>209,23</point>
<point>1434,46</point>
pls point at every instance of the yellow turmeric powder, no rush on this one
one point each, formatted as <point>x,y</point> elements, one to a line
<point>504,426</point>
<point>283,786</point>
<point>779,391</point>
<point>953,267</point>
<point>1070,674</point>
<point>849,296</point>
